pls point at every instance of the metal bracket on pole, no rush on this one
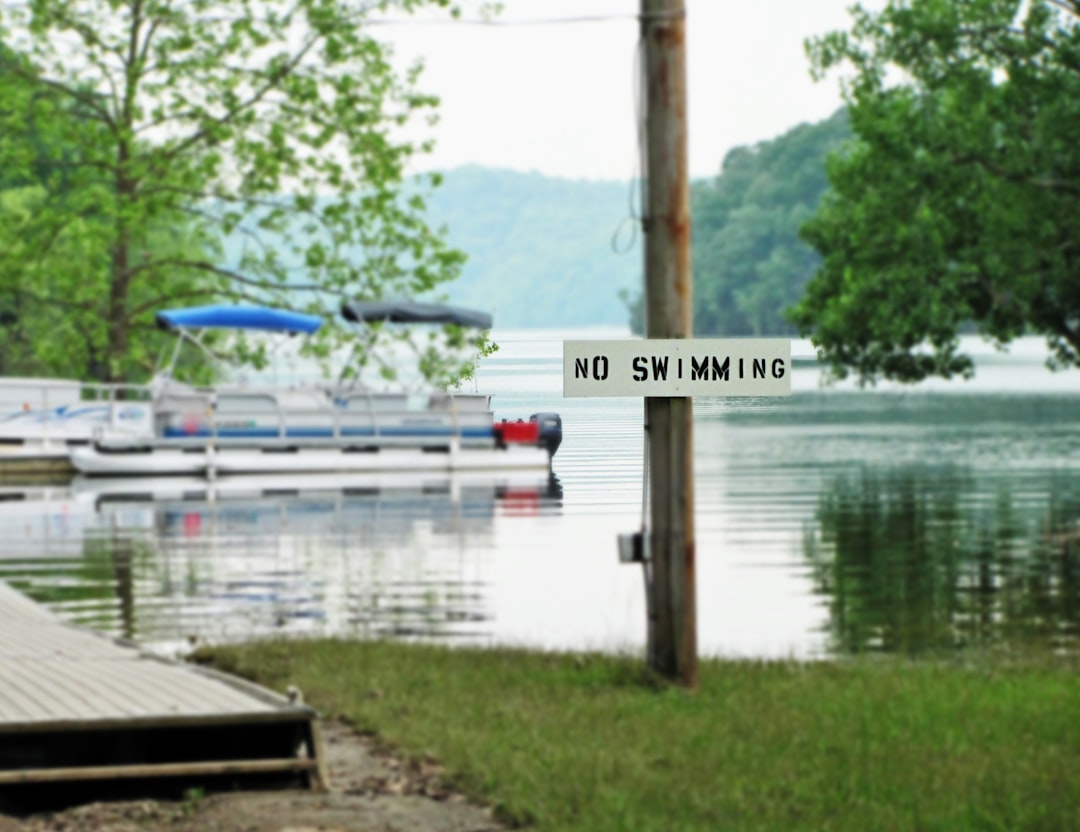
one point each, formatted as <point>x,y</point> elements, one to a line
<point>633,547</point>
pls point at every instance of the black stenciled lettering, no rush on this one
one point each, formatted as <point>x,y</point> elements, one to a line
<point>700,369</point>
<point>659,368</point>
<point>641,368</point>
<point>581,368</point>
<point>600,367</point>
<point>759,368</point>
<point>740,368</point>
<point>778,368</point>
<point>680,368</point>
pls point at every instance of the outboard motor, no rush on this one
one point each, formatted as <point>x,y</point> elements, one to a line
<point>550,428</point>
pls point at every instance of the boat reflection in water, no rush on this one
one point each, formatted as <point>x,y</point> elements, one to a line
<point>177,561</point>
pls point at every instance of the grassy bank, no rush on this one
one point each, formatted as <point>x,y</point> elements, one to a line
<point>567,742</point>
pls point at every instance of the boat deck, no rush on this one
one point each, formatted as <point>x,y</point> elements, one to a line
<point>76,706</point>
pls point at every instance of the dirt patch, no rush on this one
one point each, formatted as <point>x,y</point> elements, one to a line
<point>369,792</point>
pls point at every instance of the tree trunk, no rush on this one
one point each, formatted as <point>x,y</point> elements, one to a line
<point>116,315</point>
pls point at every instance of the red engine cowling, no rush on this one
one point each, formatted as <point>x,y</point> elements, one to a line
<point>517,433</point>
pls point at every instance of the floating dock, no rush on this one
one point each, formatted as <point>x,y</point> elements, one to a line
<point>17,463</point>
<point>77,707</point>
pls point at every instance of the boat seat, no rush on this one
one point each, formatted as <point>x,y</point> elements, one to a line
<point>246,403</point>
<point>382,402</point>
<point>461,403</point>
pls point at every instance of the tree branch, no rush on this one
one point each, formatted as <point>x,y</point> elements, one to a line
<point>1045,183</point>
<point>86,98</point>
<point>229,274</point>
<point>256,97</point>
<point>1067,6</point>
<point>171,298</point>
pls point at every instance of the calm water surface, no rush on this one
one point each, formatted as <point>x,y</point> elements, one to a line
<point>834,522</point>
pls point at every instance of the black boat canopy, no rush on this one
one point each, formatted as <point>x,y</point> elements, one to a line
<point>409,312</point>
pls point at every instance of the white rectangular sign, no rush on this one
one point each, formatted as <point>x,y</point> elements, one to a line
<point>678,367</point>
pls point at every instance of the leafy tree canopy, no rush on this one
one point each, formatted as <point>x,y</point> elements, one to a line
<point>957,203</point>
<point>141,132</point>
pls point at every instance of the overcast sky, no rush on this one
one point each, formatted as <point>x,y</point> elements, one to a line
<point>559,98</point>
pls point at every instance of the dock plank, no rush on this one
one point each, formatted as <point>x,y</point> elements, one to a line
<point>52,670</point>
<point>60,680</point>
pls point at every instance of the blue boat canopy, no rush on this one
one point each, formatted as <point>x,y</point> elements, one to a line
<point>409,312</point>
<point>239,317</point>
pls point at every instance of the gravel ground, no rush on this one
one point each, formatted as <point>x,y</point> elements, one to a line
<point>369,792</point>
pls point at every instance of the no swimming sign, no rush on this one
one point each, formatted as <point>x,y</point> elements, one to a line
<point>678,367</point>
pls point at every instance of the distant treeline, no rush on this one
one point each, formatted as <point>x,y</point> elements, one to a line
<point>542,251</point>
<point>549,252</point>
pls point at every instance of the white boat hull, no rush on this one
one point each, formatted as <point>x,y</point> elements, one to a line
<point>173,487</point>
<point>212,462</point>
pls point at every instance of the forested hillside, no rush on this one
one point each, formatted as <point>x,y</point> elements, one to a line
<point>750,264</point>
<point>748,260</point>
<point>540,250</point>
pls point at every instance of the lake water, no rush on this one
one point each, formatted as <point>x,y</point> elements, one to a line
<point>837,521</point>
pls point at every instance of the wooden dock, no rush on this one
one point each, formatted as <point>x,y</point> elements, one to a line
<point>78,708</point>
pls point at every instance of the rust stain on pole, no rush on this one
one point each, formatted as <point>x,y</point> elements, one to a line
<point>670,35</point>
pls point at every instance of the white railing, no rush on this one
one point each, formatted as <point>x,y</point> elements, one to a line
<point>364,419</point>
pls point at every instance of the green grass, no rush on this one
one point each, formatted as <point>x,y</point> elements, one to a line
<point>587,742</point>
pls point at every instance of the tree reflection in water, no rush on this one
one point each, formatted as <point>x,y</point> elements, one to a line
<point>919,559</point>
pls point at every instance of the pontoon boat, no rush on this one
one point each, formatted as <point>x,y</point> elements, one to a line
<point>242,428</point>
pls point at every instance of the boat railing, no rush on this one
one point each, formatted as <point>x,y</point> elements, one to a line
<point>313,417</point>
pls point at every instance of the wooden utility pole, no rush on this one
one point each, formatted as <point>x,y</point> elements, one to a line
<point>672,636</point>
